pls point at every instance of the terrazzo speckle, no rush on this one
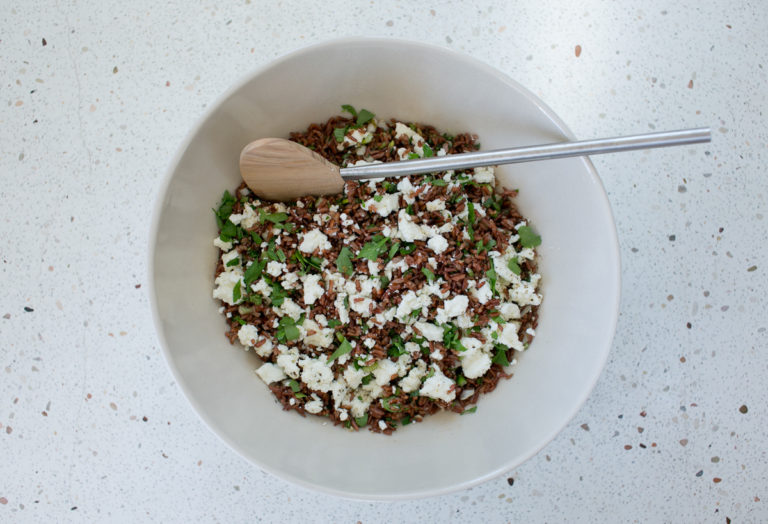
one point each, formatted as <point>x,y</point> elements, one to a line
<point>96,98</point>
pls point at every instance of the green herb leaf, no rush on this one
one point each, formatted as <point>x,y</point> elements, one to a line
<point>514,266</point>
<point>406,420</point>
<point>407,248</point>
<point>363,117</point>
<point>470,410</point>
<point>361,421</point>
<point>256,237</point>
<point>387,404</point>
<point>253,272</point>
<point>491,276</point>
<point>344,261</point>
<point>344,348</point>
<point>275,218</point>
<point>228,230</point>
<point>439,182</point>
<point>527,237</point>
<point>500,357</point>
<point>389,187</point>
<point>367,379</point>
<point>349,109</point>
<point>373,249</point>
<point>225,207</point>
<point>460,380</point>
<point>398,346</point>
<point>333,323</point>
<point>278,294</point>
<point>236,292</point>
<point>234,262</point>
<point>429,274</point>
<point>428,151</point>
<point>471,213</point>
<point>378,198</point>
<point>393,250</point>
<point>294,386</point>
<point>339,133</point>
<point>412,156</point>
<point>240,321</point>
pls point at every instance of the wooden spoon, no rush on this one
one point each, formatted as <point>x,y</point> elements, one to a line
<point>278,169</point>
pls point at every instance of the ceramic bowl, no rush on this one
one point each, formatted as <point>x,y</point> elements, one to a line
<point>564,199</point>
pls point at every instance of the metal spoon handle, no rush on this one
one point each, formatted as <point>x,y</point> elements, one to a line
<point>528,153</point>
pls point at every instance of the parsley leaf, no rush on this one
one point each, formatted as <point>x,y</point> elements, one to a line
<point>278,294</point>
<point>349,109</point>
<point>393,250</point>
<point>235,261</point>
<point>373,249</point>
<point>491,275</point>
<point>513,266</point>
<point>527,237</point>
<point>363,117</point>
<point>378,198</point>
<point>287,330</point>
<point>344,348</point>
<point>429,274</point>
<point>439,182</point>
<point>428,151</point>
<point>344,261</point>
<point>398,347</point>
<point>253,272</point>
<point>275,218</point>
<point>225,207</point>
<point>500,357</point>
<point>236,291</point>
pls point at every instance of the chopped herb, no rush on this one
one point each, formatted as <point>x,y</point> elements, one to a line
<point>406,420</point>
<point>370,368</point>
<point>367,379</point>
<point>339,133</point>
<point>491,275</point>
<point>470,410</point>
<point>363,117</point>
<point>387,404</point>
<point>275,218</point>
<point>361,421</point>
<point>278,294</point>
<point>256,237</point>
<point>412,156</point>
<point>407,248</point>
<point>471,232</point>
<point>393,250</point>
<point>429,274</point>
<point>428,151</point>
<point>409,209</point>
<point>287,330</point>
<point>236,292</point>
<point>228,231</point>
<point>389,187</point>
<point>430,374</point>
<point>234,262</point>
<point>416,313</point>
<point>500,357</point>
<point>225,208</point>
<point>240,321</point>
<point>471,213</point>
<point>398,347</point>
<point>384,281</point>
<point>253,272</point>
<point>344,261</point>
<point>439,182</point>
<point>514,266</point>
<point>346,301</point>
<point>527,237</point>
<point>480,246</point>
<point>378,198</point>
<point>373,249</point>
<point>294,386</point>
<point>344,348</point>
<point>349,109</point>
<point>333,323</point>
<point>460,380</point>
<point>452,337</point>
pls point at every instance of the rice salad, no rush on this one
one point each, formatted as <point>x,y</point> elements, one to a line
<point>391,301</point>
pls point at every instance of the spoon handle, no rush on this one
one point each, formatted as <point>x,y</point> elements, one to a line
<point>528,153</point>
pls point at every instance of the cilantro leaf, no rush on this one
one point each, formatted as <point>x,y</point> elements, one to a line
<point>344,261</point>
<point>527,237</point>
<point>363,117</point>
<point>439,182</point>
<point>344,348</point>
<point>513,266</point>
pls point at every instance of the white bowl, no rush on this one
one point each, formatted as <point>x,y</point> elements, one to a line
<point>564,200</point>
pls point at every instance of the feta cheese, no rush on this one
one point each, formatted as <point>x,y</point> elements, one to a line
<point>482,293</point>
<point>382,425</point>
<point>269,373</point>
<point>265,349</point>
<point>312,289</point>
<point>276,268</point>
<point>289,361</point>
<point>438,244</point>
<point>219,243</point>
<point>436,355</point>
<point>484,175</point>
<point>373,268</point>
<point>354,377</point>
<point>417,141</point>
<point>509,311</point>
<point>474,361</point>
<point>314,240</point>
<point>247,219</point>
<point>407,190</point>
<point>225,285</point>
<point>316,373</point>
<point>248,335</point>
<point>438,386</point>
<point>289,280</point>
<point>314,406</point>
<point>524,293</point>
<point>261,287</point>
<point>430,331</point>
<point>407,229</point>
<point>508,336</point>
<point>435,205</point>
<point>453,307</point>
<point>290,308</point>
<point>383,207</point>
<point>369,343</point>
<point>412,381</point>
<point>320,337</point>
<point>384,371</point>
<point>411,302</point>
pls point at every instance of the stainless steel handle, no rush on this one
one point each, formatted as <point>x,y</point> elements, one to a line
<point>528,153</point>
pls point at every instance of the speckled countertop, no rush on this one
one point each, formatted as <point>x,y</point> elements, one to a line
<point>96,97</point>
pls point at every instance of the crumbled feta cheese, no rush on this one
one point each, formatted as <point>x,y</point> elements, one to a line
<point>343,415</point>
<point>384,371</point>
<point>509,311</point>
<point>383,207</point>
<point>474,361</point>
<point>524,293</point>
<point>312,289</point>
<point>417,141</point>
<point>438,386</point>
<point>361,305</point>
<point>482,293</point>
<point>276,268</point>
<point>484,175</point>
<point>411,302</point>
<point>314,406</point>
<point>453,307</point>
<point>248,335</point>
<point>435,205</point>
<point>219,243</point>
<point>291,309</point>
<point>292,401</point>
<point>508,336</point>
<point>407,189</point>
<point>247,219</point>
<point>341,309</point>
<point>265,349</point>
<point>382,425</point>
<point>269,373</point>
<point>436,355</point>
<point>430,331</point>
<point>289,361</point>
<point>289,280</point>
<point>373,268</point>
<point>225,285</point>
<point>412,381</point>
<point>358,406</point>
<point>354,377</point>
<point>316,373</point>
<point>320,337</point>
<point>314,240</point>
<point>407,229</point>
<point>262,287</point>
<point>369,343</point>
<point>438,244</point>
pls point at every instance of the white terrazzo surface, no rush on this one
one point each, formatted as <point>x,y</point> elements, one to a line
<point>96,97</point>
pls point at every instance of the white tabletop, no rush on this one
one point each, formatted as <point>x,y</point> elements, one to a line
<point>96,99</point>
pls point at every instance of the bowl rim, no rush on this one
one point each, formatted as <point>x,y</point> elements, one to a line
<point>155,221</point>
